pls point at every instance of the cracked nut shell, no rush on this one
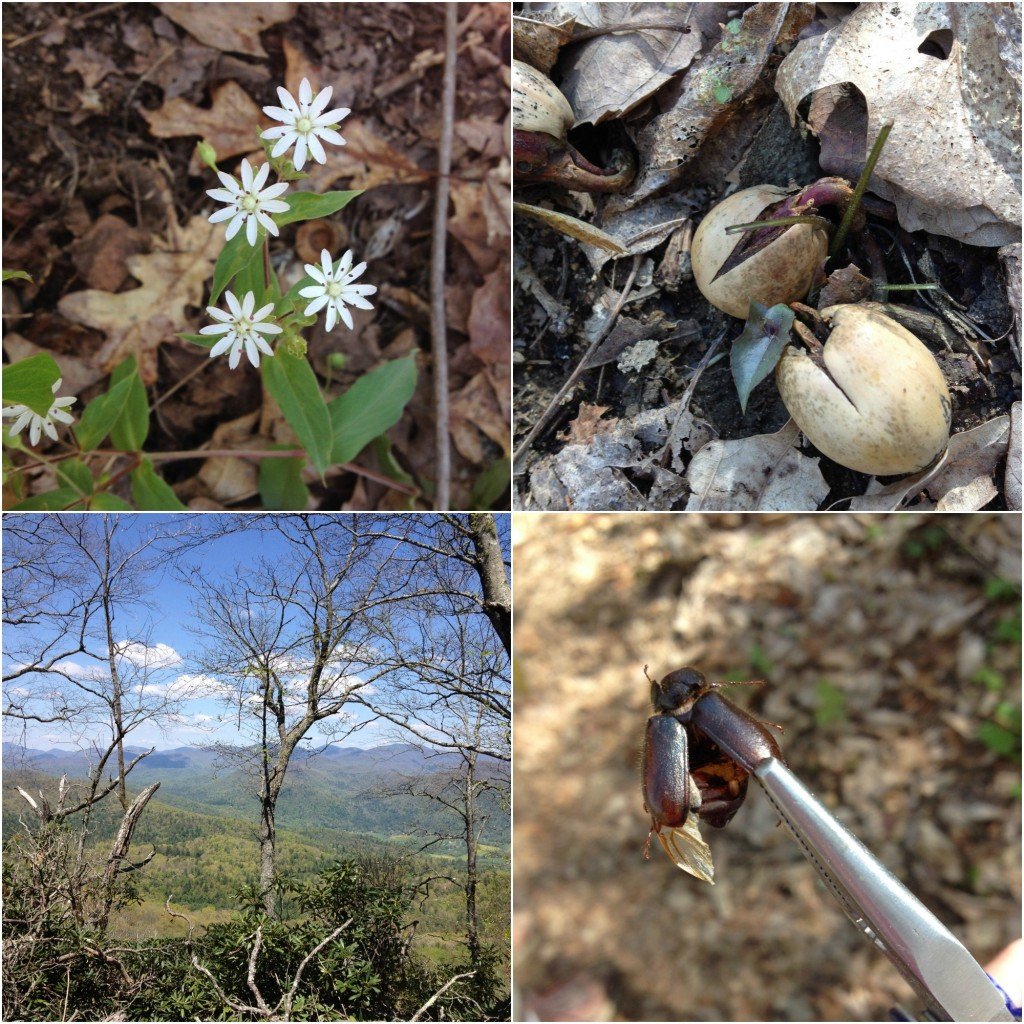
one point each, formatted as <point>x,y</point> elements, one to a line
<point>879,406</point>
<point>781,272</point>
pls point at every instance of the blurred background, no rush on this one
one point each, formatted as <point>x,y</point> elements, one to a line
<point>890,647</point>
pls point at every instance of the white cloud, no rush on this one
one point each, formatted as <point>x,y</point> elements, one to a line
<point>199,719</point>
<point>85,673</point>
<point>188,686</point>
<point>142,656</point>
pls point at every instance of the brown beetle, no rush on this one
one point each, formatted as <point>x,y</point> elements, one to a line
<point>699,751</point>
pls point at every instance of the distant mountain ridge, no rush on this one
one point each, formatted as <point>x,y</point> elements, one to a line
<point>352,789</point>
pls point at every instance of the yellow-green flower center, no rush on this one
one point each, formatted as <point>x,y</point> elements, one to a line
<point>334,289</point>
<point>304,125</point>
<point>243,325</point>
<point>250,203</point>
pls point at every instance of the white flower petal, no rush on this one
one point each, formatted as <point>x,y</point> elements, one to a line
<point>215,329</point>
<point>330,117</point>
<point>267,223</point>
<point>261,313</point>
<point>218,314</point>
<point>250,229</point>
<point>360,289</point>
<point>316,150</point>
<point>325,262</point>
<point>222,195</point>
<point>332,317</point>
<point>49,429</point>
<point>316,273</point>
<point>331,136</point>
<point>305,92</point>
<point>278,130</point>
<point>229,183</point>
<point>251,351</point>
<point>261,178</point>
<point>246,176</point>
<point>274,206</point>
<point>311,291</point>
<point>35,430</point>
<point>267,328</point>
<point>61,416</point>
<point>223,345</point>
<point>247,304</point>
<point>261,344</point>
<point>300,152</point>
<point>323,97</point>
<point>221,215</point>
<point>273,191</point>
<point>287,102</point>
<point>283,143</point>
<point>358,302</point>
<point>346,316</point>
<point>355,272</point>
<point>22,421</point>
<point>233,304</point>
<point>236,355</point>
<point>316,305</point>
<point>234,226</point>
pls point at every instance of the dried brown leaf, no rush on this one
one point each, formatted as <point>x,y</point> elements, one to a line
<point>232,28</point>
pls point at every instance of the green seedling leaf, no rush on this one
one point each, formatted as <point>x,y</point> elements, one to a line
<point>281,486</point>
<point>757,350</point>
<point>292,383</point>
<point>102,413</point>
<point>132,426</point>
<point>988,677</point>
<point>104,502</point>
<point>152,493</point>
<point>75,474</point>
<point>51,501</point>
<point>831,709</point>
<point>310,206</point>
<point>392,468</point>
<point>572,227</point>
<point>17,275</point>
<point>491,484</point>
<point>370,407</point>
<point>722,93</point>
<point>30,382</point>
<point>997,739</point>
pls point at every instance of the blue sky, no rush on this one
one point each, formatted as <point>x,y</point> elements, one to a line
<point>168,655</point>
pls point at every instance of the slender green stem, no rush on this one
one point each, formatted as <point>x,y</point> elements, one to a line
<point>779,222</point>
<point>862,184</point>
<point>266,262</point>
<point>928,287</point>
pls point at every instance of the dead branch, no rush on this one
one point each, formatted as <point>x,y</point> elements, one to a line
<point>433,999</point>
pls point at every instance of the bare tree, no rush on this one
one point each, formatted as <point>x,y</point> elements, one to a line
<point>291,640</point>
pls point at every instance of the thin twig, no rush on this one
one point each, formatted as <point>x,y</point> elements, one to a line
<point>687,395</point>
<point>580,367</point>
<point>433,999</point>
<point>862,184</point>
<point>439,332</point>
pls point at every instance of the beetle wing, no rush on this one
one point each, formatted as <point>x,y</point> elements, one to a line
<point>686,849</point>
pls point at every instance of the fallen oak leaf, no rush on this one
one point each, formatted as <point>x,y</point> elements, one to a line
<point>229,125</point>
<point>233,28</point>
<point>137,321</point>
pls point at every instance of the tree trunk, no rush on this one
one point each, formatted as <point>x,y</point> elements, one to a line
<point>119,851</point>
<point>268,853</point>
<point>472,925</point>
<point>491,569</point>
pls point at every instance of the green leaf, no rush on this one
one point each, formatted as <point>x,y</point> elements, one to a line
<point>997,739</point>
<point>831,709</point>
<point>392,468</point>
<point>30,382</point>
<point>77,475</point>
<point>722,93</point>
<point>292,383</point>
<point>235,255</point>
<point>16,275</point>
<point>101,414</point>
<point>51,501</point>
<point>250,279</point>
<point>104,502</point>
<point>370,407</point>
<point>309,206</point>
<point>491,484</point>
<point>132,426</point>
<point>281,485</point>
<point>756,351</point>
<point>151,492</point>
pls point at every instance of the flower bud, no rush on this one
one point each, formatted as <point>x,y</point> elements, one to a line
<point>781,272</point>
<point>872,399</point>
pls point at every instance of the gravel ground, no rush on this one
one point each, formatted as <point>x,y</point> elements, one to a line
<point>890,650</point>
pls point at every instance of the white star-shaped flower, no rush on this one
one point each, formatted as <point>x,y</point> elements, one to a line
<point>335,289</point>
<point>249,202</point>
<point>39,425</point>
<point>241,327</point>
<point>304,124</point>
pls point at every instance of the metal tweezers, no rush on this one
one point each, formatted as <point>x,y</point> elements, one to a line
<point>951,983</point>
